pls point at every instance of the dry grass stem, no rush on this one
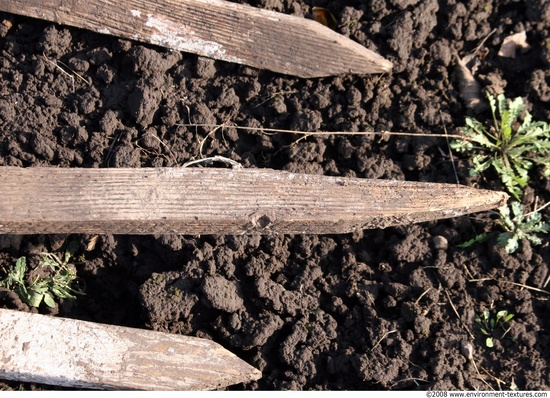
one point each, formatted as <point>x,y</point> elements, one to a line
<point>468,271</point>
<point>210,133</point>
<point>56,64</point>
<point>174,159</point>
<point>413,379</point>
<point>267,98</point>
<point>536,289</point>
<point>322,133</point>
<point>458,316</point>
<point>212,159</point>
<point>382,338</point>
<point>536,209</point>
<point>422,295</point>
<point>451,155</point>
<point>499,381</point>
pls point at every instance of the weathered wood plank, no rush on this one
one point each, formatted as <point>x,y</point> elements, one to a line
<point>73,353</point>
<point>220,201</point>
<point>218,29</point>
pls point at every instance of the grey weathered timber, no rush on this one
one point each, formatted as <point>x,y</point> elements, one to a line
<point>217,29</point>
<point>68,352</point>
<point>42,200</point>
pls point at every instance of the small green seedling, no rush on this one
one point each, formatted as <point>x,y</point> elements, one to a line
<point>489,325</point>
<point>516,226</point>
<point>509,146</point>
<point>58,283</point>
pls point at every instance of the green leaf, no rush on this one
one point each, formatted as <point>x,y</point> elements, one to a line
<point>535,240</point>
<point>508,318</point>
<point>515,108</point>
<point>22,293</point>
<point>511,246</point>
<point>20,269</point>
<point>481,163</point>
<point>483,237</point>
<point>34,298</point>
<point>48,299</point>
<point>501,314</point>
<point>517,210</point>
<point>507,239</point>
<point>489,342</point>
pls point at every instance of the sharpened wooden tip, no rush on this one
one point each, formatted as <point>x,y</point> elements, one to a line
<point>220,201</point>
<point>68,352</point>
<point>217,29</point>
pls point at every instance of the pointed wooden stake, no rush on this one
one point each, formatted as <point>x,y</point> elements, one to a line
<point>217,29</point>
<point>68,352</point>
<point>220,201</point>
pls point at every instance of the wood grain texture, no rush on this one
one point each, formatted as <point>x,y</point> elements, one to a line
<point>68,352</point>
<point>218,29</point>
<point>220,201</point>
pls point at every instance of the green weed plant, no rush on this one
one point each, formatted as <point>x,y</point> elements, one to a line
<point>510,146</point>
<point>57,284</point>
<point>489,324</point>
<point>516,226</point>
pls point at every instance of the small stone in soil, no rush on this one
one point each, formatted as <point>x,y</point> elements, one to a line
<point>440,242</point>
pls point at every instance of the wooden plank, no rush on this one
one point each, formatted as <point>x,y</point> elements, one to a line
<point>218,29</point>
<point>68,352</point>
<point>219,201</point>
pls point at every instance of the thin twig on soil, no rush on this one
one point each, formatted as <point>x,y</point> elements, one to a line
<point>536,289</point>
<point>323,133</point>
<point>483,41</point>
<point>274,95</point>
<point>413,379</point>
<point>76,74</point>
<point>458,316</point>
<point>468,271</point>
<point>56,64</point>
<point>382,338</point>
<point>480,377</point>
<point>492,376</point>
<point>111,149</point>
<point>210,133</point>
<point>210,160</point>
<point>451,153</point>
<point>475,366</point>
<point>215,127</point>
<point>422,295</point>
<point>174,159</point>
<point>536,210</point>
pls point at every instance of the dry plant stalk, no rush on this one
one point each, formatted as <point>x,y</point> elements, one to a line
<point>267,130</point>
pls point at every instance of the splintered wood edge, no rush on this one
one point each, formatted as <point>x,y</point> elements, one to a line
<point>217,29</point>
<point>73,353</point>
<point>220,201</point>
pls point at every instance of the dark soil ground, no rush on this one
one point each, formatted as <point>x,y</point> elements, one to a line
<point>384,309</point>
